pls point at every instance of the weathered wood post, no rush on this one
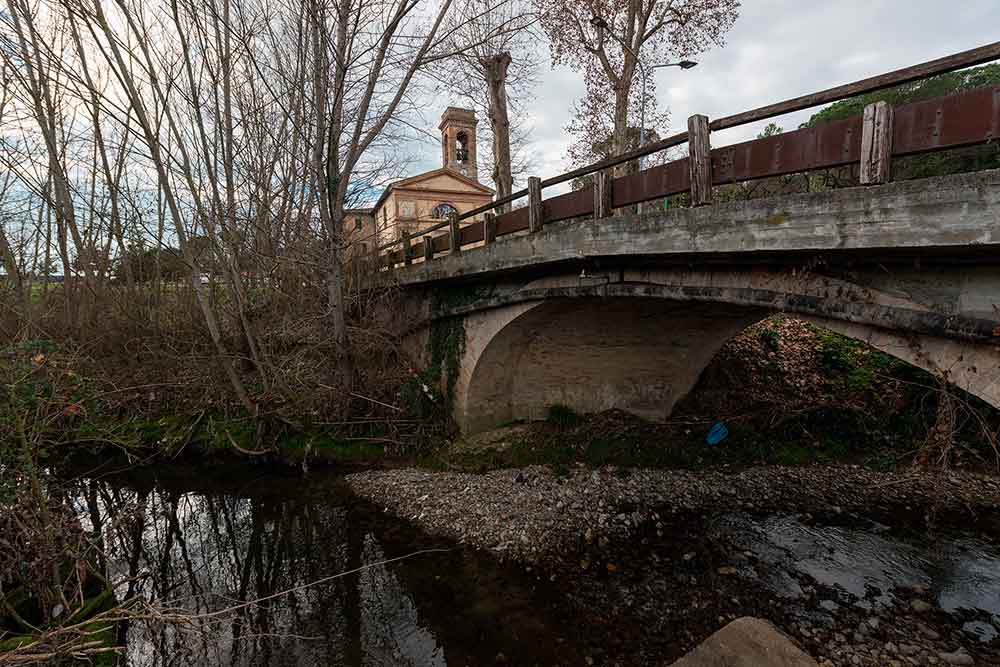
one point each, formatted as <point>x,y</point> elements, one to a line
<point>876,143</point>
<point>455,234</point>
<point>700,160</point>
<point>489,228</point>
<point>602,194</point>
<point>428,247</point>
<point>407,249</point>
<point>535,221</point>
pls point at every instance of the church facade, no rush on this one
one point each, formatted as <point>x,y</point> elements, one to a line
<point>416,203</point>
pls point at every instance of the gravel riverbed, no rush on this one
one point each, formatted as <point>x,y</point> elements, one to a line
<point>531,513</point>
<point>631,553</point>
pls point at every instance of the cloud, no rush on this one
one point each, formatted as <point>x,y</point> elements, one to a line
<point>780,49</point>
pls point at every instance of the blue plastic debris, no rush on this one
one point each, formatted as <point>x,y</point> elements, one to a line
<point>717,433</point>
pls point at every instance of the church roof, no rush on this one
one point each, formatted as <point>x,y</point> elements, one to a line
<point>427,175</point>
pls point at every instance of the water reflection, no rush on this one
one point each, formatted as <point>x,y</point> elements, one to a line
<point>206,552</point>
<point>390,629</point>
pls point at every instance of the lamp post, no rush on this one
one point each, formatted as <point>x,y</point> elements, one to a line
<point>599,23</point>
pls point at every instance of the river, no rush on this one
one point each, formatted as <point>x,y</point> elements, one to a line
<point>338,582</point>
<point>207,540</point>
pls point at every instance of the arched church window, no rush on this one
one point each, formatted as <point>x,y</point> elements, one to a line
<point>443,210</point>
<point>462,147</point>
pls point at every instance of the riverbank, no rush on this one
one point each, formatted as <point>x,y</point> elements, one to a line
<point>786,391</point>
<point>654,562</point>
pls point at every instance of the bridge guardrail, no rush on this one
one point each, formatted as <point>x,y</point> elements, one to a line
<point>872,140</point>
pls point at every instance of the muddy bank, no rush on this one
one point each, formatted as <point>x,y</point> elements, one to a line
<point>841,558</point>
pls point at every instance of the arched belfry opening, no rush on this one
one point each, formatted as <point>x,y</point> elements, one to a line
<point>458,141</point>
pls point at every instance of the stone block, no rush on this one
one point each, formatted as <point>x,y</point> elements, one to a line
<point>747,642</point>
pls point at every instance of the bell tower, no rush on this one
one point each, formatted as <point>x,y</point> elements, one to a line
<point>458,141</point>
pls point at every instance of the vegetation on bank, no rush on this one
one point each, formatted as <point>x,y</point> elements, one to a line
<point>57,403</point>
<point>787,392</point>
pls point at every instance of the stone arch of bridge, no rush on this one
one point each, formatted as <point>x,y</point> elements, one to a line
<point>639,347</point>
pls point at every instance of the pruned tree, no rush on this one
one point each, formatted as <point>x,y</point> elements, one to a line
<point>605,40</point>
<point>494,71</point>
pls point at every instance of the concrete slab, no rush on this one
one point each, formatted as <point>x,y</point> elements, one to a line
<point>747,642</point>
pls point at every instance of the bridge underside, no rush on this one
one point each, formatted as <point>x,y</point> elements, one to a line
<point>638,340</point>
<point>642,355</point>
<point>639,355</point>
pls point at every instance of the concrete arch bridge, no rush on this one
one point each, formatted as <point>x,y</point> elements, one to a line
<point>626,312</point>
<point>606,298</point>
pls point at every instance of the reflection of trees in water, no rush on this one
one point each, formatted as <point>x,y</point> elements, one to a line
<point>390,631</point>
<point>206,553</point>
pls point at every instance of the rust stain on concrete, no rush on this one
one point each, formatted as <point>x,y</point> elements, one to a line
<point>777,219</point>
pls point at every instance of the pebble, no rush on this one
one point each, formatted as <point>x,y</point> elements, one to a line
<point>582,498</point>
<point>930,633</point>
<point>920,606</point>
<point>959,657</point>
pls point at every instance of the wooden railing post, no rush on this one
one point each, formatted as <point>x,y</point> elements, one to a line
<point>489,228</point>
<point>700,160</point>
<point>602,194</point>
<point>455,246</point>
<point>407,249</point>
<point>535,221</point>
<point>876,143</point>
<point>428,247</point>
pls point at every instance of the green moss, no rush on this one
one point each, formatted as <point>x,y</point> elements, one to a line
<point>836,352</point>
<point>771,338</point>
<point>330,447</point>
<point>447,343</point>
<point>562,416</point>
<point>459,295</point>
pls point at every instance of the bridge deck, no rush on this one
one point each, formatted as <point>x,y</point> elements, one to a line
<point>956,214</point>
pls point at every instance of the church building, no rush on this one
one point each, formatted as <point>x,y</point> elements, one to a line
<point>416,203</point>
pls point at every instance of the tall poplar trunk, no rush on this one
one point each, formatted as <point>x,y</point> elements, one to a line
<point>619,138</point>
<point>495,68</point>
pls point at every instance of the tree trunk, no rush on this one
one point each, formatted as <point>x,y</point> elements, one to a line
<point>14,275</point>
<point>619,137</point>
<point>336,303</point>
<point>495,68</point>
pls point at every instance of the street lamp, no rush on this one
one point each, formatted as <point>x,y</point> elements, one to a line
<point>599,23</point>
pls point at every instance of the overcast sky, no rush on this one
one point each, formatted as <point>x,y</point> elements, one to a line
<point>779,49</point>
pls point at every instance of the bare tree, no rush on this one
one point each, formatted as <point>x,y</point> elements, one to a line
<point>231,133</point>
<point>606,38</point>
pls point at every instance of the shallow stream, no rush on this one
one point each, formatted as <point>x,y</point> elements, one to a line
<point>336,582</point>
<point>865,563</point>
